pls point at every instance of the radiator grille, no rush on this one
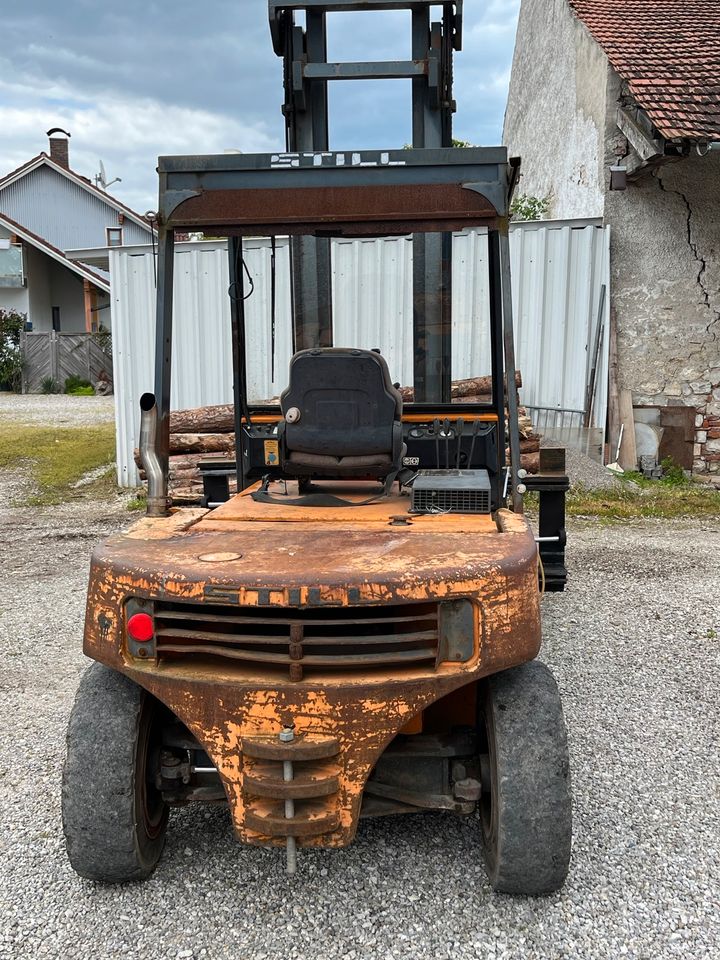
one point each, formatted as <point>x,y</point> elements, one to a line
<point>301,640</point>
<point>451,501</point>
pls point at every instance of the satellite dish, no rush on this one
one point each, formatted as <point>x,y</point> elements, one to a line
<point>101,179</point>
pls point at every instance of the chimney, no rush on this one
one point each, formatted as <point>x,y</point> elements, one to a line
<point>59,147</point>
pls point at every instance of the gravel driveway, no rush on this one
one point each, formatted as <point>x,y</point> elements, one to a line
<point>635,646</point>
<point>56,410</point>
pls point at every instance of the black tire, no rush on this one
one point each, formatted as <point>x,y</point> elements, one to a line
<point>114,819</point>
<point>526,815</point>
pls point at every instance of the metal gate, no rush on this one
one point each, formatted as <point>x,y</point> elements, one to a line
<point>62,355</point>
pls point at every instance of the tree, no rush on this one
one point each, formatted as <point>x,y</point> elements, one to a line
<point>11,358</point>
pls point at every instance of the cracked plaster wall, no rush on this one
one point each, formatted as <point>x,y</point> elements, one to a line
<point>665,262</point>
<point>561,118</point>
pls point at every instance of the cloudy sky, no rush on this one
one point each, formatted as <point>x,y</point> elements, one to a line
<point>135,80</point>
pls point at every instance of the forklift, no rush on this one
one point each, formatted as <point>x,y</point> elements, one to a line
<point>352,631</point>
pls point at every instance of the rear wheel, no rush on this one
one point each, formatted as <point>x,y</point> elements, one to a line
<point>525,808</point>
<point>114,818</point>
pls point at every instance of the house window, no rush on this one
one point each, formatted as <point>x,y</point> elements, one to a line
<point>11,264</point>
<point>56,319</point>
<point>114,236</point>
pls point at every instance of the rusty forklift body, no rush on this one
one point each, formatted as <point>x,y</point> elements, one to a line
<point>319,645</point>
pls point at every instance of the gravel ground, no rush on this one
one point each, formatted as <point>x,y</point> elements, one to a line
<point>634,644</point>
<point>583,470</point>
<point>56,410</point>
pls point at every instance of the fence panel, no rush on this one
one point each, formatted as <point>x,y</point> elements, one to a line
<point>62,355</point>
<point>38,361</point>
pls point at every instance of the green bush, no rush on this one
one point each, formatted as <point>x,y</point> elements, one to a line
<point>673,474</point>
<point>78,387</point>
<point>49,385</point>
<point>524,207</point>
<point>11,358</point>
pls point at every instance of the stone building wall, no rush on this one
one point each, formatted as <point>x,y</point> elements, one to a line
<point>665,262</point>
<point>561,119</point>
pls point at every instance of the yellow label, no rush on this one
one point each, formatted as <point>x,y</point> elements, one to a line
<point>272,453</point>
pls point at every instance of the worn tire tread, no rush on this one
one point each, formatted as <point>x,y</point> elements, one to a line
<point>534,835</point>
<point>98,783</point>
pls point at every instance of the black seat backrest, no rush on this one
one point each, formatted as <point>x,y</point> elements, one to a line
<point>341,413</point>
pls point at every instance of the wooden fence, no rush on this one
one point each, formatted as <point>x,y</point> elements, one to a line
<point>62,355</point>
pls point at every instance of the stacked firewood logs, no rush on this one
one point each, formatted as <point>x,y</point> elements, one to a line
<point>188,448</point>
<point>208,432</point>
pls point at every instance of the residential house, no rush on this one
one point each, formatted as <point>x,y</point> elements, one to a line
<point>614,107</point>
<point>46,210</point>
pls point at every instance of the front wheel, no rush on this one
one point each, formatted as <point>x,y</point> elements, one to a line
<point>525,807</point>
<point>114,818</point>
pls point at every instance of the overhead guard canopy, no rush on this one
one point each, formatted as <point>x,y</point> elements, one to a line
<point>351,193</point>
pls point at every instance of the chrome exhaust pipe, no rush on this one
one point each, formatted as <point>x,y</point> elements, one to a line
<point>158,502</point>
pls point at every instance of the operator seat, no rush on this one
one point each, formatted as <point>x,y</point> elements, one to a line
<point>342,416</point>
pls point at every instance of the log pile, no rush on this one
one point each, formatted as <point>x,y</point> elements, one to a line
<point>186,452</point>
<point>209,432</point>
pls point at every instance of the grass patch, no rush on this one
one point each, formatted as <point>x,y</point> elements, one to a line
<point>58,458</point>
<point>634,497</point>
<point>136,503</point>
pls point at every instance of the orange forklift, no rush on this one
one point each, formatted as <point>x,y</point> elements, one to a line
<point>353,632</point>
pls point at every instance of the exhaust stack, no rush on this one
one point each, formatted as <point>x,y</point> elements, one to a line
<point>158,502</point>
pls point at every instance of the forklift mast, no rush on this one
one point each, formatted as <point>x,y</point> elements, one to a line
<point>306,73</point>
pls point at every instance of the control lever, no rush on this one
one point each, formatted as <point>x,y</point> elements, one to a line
<point>447,443</point>
<point>476,427</point>
<point>459,427</point>
<point>436,428</point>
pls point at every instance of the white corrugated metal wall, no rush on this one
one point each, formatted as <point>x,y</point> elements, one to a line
<point>558,269</point>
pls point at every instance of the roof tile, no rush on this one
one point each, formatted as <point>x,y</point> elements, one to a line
<point>668,51</point>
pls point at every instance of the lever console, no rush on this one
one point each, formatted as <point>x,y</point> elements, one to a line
<point>432,444</point>
<point>464,444</point>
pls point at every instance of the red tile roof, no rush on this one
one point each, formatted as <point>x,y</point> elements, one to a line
<point>669,53</point>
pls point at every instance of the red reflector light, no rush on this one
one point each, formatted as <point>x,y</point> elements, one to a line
<point>140,627</point>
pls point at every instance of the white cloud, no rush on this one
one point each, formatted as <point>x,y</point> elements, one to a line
<point>128,134</point>
<point>130,83</point>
